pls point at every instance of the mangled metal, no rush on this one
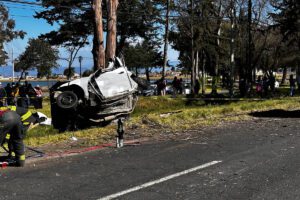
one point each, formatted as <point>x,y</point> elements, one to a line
<point>103,96</point>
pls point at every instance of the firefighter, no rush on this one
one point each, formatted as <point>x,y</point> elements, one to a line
<point>27,117</point>
<point>10,122</point>
<point>16,124</point>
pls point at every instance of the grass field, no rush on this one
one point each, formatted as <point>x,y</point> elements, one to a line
<point>166,113</point>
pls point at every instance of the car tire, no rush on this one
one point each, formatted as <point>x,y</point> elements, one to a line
<point>67,100</point>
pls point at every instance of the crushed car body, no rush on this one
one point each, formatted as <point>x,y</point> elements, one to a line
<point>95,100</point>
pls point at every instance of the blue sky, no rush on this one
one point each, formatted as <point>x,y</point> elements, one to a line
<point>23,16</point>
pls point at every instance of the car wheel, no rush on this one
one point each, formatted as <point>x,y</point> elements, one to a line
<point>67,100</point>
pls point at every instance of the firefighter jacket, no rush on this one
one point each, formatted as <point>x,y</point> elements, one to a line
<point>26,116</point>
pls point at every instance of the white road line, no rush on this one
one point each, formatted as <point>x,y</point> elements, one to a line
<point>151,183</point>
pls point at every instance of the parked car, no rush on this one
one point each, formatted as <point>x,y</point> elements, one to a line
<point>187,87</point>
<point>151,90</point>
<point>95,100</point>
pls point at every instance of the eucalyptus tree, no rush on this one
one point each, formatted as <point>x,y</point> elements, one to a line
<point>80,19</point>
<point>7,32</point>
<point>286,18</point>
<point>38,55</point>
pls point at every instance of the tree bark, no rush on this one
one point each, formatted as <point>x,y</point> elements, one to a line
<point>216,69</point>
<point>197,65</point>
<point>284,73</point>
<point>111,37</point>
<point>203,73</point>
<point>98,48</point>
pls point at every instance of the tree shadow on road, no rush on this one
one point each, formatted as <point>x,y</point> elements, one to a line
<point>277,113</point>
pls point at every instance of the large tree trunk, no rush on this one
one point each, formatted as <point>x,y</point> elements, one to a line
<point>111,37</point>
<point>215,78</point>
<point>284,73</point>
<point>216,69</point>
<point>98,48</point>
<point>197,65</point>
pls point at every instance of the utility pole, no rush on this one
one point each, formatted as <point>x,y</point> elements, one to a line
<point>13,64</point>
<point>166,40</point>
<point>80,60</point>
<point>192,48</point>
<point>232,20</point>
<point>249,56</point>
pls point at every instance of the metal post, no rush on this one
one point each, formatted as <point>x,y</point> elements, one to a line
<point>249,56</point>
<point>120,136</point>
<point>166,40</point>
<point>80,60</point>
<point>13,64</point>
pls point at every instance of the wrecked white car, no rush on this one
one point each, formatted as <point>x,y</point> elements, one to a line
<point>98,99</point>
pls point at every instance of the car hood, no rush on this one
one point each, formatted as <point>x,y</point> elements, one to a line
<point>107,84</point>
<point>81,82</point>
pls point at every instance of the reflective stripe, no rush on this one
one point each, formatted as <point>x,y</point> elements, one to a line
<point>5,145</point>
<point>12,108</point>
<point>7,136</point>
<point>22,157</point>
<point>26,116</point>
<point>26,123</point>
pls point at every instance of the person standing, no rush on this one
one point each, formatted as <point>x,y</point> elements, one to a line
<point>175,86</point>
<point>22,100</point>
<point>196,87</point>
<point>259,86</point>
<point>272,83</point>
<point>31,94</point>
<point>163,87</point>
<point>180,86</point>
<point>39,97</point>
<point>27,98</point>
<point>265,86</point>
<point>292,85</point>
<point>8,91</point>
<point>3,96</point>
<point>10,122</point>
<point>15,93</point>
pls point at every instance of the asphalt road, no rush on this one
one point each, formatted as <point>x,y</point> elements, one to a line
<point>257,159</point>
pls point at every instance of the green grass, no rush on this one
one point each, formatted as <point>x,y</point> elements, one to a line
<point>153,112</point>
